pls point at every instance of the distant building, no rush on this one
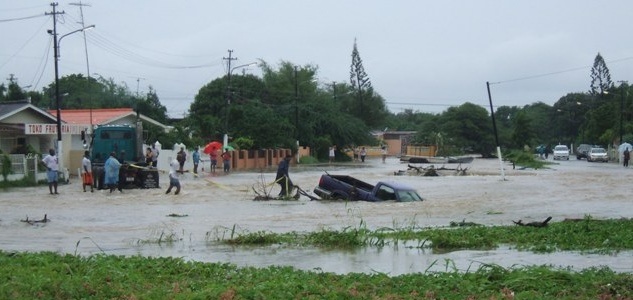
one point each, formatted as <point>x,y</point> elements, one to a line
<point>396,141</point>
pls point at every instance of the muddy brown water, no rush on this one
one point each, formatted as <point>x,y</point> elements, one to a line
<point>209,206</point>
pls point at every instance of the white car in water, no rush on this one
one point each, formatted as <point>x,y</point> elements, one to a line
<point>561,152</point>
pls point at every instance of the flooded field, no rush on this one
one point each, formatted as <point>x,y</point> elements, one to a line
<point>131,222</point>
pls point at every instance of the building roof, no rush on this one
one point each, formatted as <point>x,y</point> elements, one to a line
<point>101,116</point>
<point>10,108</point>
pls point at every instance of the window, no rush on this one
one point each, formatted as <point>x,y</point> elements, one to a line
<point>386,193</point>
<point>409,196</point>
<point>116,135</point>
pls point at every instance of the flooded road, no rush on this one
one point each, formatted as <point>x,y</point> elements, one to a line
<point>132,222</point>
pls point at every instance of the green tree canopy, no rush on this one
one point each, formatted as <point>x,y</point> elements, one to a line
<point>463,129</point>
<point>12,91</point>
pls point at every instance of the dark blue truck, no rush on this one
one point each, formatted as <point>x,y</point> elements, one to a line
<point>344,187</point>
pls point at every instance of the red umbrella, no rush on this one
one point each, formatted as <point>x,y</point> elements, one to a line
<point>211,147</point>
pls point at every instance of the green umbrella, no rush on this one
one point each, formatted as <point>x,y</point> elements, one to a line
<point>228,148</point>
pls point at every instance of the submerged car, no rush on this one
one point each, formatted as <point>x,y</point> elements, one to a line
<point>561,152</point>
<point>598,154</point>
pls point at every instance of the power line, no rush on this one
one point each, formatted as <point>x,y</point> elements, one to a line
<point>22,18</point>
<point>106,44</point>
<point>558,72</point>
<point>36,33</point>
<point>131,45</point>
<point>43,63</point>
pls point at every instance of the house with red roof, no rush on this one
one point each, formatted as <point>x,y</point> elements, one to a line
<point>105,116</point>
<point>22,124</point>
<point>84,120</point>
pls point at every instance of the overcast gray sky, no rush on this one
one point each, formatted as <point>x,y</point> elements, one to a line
<point>422,55</point>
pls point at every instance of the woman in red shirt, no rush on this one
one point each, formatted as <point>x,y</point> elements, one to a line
<point>226,157</point>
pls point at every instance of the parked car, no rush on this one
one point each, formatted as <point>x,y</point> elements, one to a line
<point>561,152</point>
<point>582,150</point>
<point>598,154</point>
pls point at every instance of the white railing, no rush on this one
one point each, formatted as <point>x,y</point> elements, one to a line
<point>22,165</point>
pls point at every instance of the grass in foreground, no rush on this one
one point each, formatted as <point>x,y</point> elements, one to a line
<point>51,276</point>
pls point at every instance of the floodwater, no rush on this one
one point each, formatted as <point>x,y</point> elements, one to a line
<point>131,223</point>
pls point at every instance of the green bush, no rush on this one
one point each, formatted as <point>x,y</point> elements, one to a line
<point>6,166</point>
<point>525,159</point>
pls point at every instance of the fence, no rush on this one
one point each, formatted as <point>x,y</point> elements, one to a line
<point>24,164</point>
<point>240,159</point>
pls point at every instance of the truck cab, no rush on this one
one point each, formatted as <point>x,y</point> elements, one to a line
<point>127,142</point>
<point>344,187</point>
<point>396,191</point>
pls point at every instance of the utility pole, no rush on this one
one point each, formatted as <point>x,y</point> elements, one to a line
<point>228,97</point>
<point>81,13</point>
<point>56,54</point>
<point>297,157</point>
<point>334,90</point>
<point>138,82</point>
<point>622,83</point>
<point>494,127</point>
<point>296,107</point>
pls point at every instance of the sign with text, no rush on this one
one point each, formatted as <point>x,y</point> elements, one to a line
<point>52,128</point>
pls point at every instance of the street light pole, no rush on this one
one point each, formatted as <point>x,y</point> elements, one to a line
<point>296,107</point>
<point>621,114</point>
<point>622,82</point>
<point>228,101</point>
<point>56,43</point>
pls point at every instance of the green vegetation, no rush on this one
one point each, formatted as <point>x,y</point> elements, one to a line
<point>24,182</point>
<point>589,235</point>
<point>525,159</point>
<point>49,275</point>
<point>52,276</point>
<point>5,166</point>
<point>308,160</point>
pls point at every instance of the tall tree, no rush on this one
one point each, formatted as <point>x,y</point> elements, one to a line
<point>358,78</point>
<point>600,76</point>
<point>369,107</point>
